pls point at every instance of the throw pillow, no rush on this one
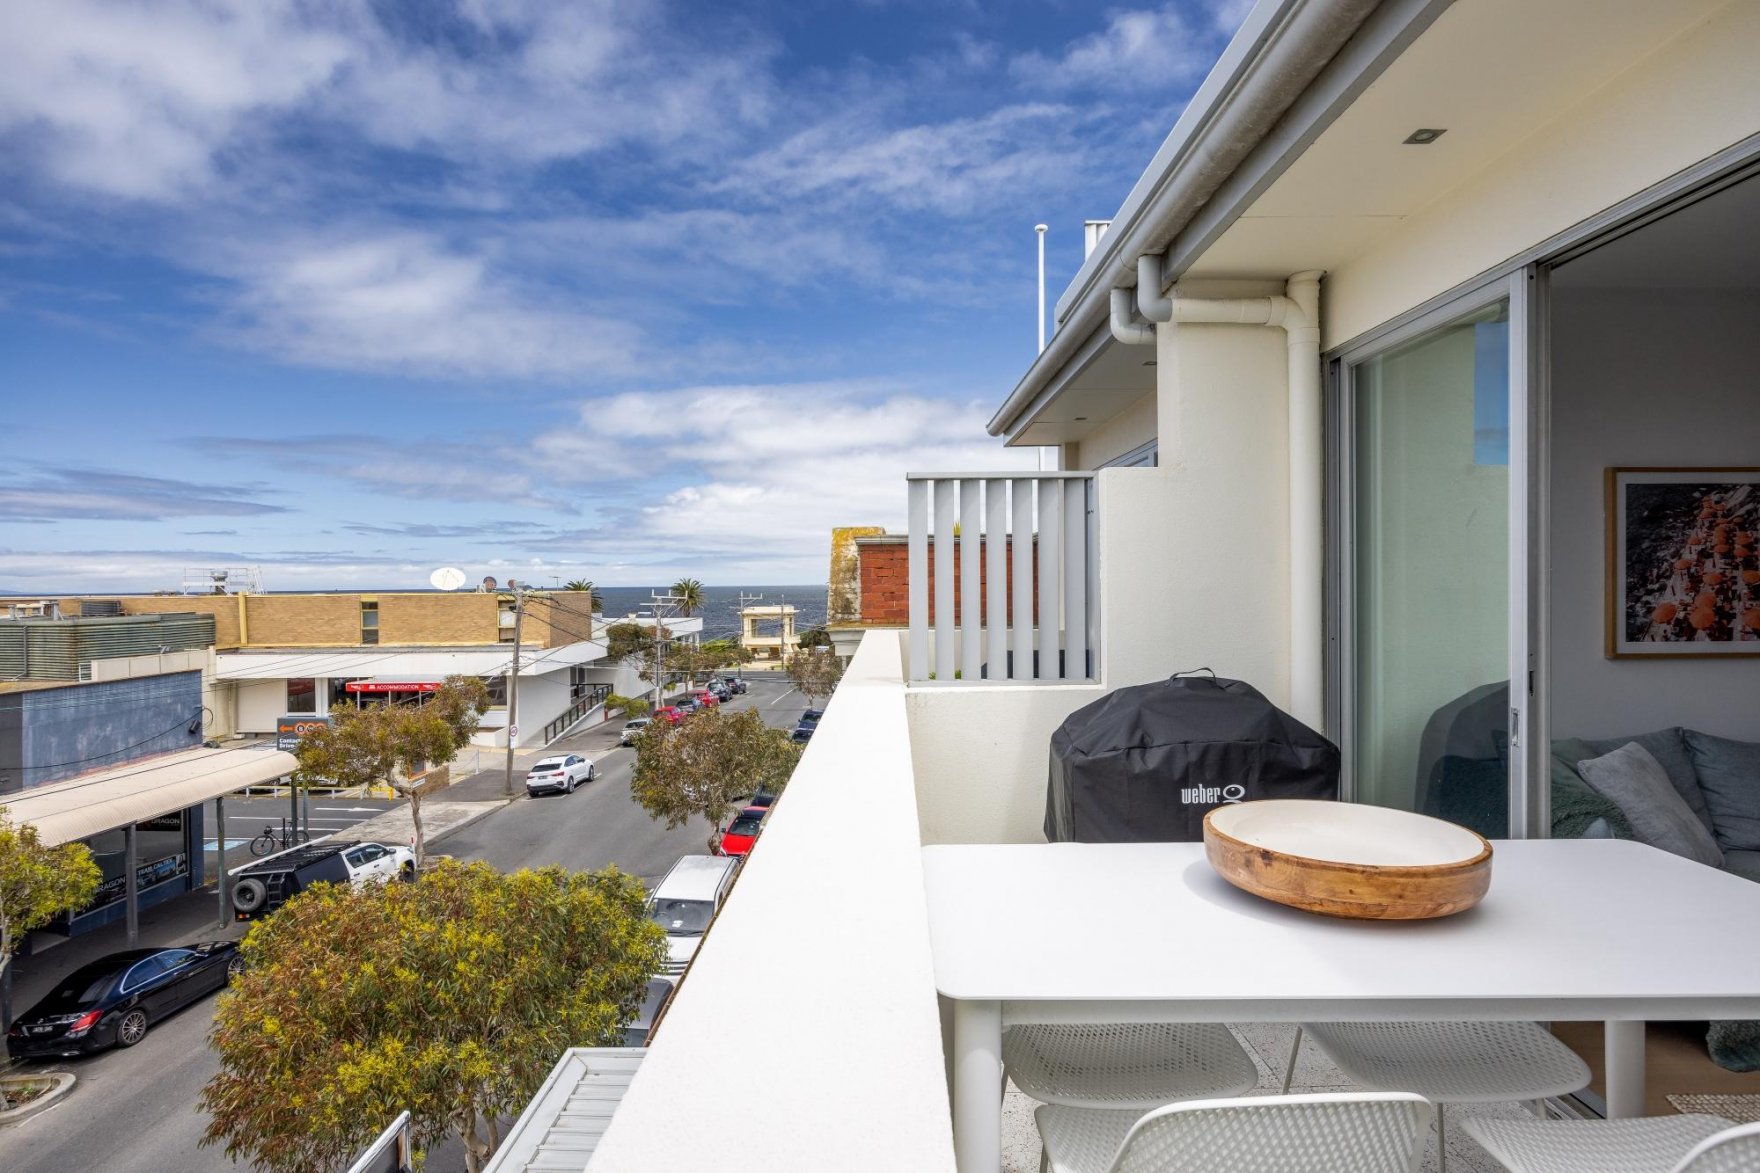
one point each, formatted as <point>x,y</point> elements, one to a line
<point>1729,773</point>
<point>1636,783</point>
<point>1669,748</point>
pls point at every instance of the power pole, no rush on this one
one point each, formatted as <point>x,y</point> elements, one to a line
<point>662,606</point>
<point>519,614</point>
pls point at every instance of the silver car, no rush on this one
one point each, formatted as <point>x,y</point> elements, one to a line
<point>561,773</point>
<point>633,729</point>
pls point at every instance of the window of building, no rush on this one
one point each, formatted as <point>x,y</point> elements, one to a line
<point>369,621</point>
<point>302,695</point>
<point>497,686</point>
<point>505,623</point>
<point>577,682</point>
<point>339,691</point>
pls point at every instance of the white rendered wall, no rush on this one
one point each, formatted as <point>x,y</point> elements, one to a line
<point>260,704</point>
<point>541,700</point>
<point>1693,97</point>
<point>1643,378</point>
<point>855,1079</point>
<point>1128,430</point>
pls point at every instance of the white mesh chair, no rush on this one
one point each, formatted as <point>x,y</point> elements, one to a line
<point>1651,1144</point>
<point>1448,1062</point>
<point>1126,1064</point>
<point>1363,1132</point>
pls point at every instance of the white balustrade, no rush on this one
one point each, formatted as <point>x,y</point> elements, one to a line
<point>1013,537</point>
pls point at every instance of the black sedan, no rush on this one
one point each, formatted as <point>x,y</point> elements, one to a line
<point>112,1001</point>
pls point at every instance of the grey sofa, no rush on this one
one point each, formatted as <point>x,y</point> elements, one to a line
<point>1718,778</point>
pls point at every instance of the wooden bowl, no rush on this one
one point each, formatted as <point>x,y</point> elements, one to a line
<point>1349,860</point>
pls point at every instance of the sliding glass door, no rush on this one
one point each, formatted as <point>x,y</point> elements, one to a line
<point>1430,564</point>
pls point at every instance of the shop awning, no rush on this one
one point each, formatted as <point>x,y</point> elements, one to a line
<point>107,799</point>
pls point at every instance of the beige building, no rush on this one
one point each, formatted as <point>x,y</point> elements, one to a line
<point>768,649</point>
<point>278,655</point>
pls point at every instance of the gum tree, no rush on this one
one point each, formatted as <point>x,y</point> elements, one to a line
<point>815,674</point>
<point>36,882</point>
<point>385,744</point>
<point>704,766</point>
<point>451,997</point>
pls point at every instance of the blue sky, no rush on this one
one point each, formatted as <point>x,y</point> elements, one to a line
<point>352,290</point>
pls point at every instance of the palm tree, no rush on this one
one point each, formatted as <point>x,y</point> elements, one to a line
<point>586,584</point>
<point>690,594</point>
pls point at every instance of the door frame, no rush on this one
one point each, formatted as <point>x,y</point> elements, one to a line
<point>1341,512</point>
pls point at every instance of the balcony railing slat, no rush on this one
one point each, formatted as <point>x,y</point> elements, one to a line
<point>917,506</point>
<point>1075,579</point>
<point>996,570</point>
<point>971,578</point>
<point>945,664</point>
<point>1050,570</point>
<point>981,542</point>
<point>1023,580</point>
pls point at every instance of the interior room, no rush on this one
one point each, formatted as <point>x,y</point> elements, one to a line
<point>1653,607</point>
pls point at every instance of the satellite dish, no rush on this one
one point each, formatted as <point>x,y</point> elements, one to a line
<point>447,578</point>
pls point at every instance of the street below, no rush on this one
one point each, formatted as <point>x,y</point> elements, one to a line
<point>135,1110</point>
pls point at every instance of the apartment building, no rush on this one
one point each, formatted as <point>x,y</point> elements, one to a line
<point>277,655</point>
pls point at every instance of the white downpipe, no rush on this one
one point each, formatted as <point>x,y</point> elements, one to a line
<point>1298,312</point>
<point>1126,326</point>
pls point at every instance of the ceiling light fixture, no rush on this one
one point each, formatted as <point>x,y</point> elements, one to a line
<point>1425,135</point>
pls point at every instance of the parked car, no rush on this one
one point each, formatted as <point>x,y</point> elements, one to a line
<point>802,734</point>
<point>561,774</point>
<point>736,684</point>
<point>707,699</point>
<point>722,692</point>
<point>671,714</point>
<point>633,729</point>
<point>686,705</point>
<point>112,1002</point>
<point>659,994</point>
<point>686,901</point>
<point>811,716</point>
<point>761,800</point>
<point>742,831</point>
<point>264,887</point>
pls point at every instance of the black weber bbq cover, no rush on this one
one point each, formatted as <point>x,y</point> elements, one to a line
<point>1145,764</point>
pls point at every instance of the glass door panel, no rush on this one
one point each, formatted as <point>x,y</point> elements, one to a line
<point>1431,573</point>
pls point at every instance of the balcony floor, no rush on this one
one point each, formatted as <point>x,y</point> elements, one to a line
<point>1268,1043</point>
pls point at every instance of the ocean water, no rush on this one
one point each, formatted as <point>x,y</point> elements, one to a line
<point>720,611</point>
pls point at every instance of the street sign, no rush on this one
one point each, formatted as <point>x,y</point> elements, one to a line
<point>290,729</point>
<point>392,686</point>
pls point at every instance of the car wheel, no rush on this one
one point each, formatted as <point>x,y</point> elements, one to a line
<point>234,968</point>
<point>132,1029</point>
<point>408,872</point>
<point>249,895</point>
<point>590,774</point>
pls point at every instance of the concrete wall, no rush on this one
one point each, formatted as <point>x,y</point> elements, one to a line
<point>860,1063</point>
<point>1690,99</point>
<point>541,700</point>
<point>1664,378</point>
<point>259,703</point>
<point>49,734</point>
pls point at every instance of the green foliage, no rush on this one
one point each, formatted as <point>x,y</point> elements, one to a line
<point>385,744</point>
<point>704,766</point>
<point>594,602</point>
<point>632,706</point>
<point>690,594</point>
<point>36,881</point>
<point>814,637</point>
<point>451,997</point>
<point>815,673</point>
<point>629,641</point>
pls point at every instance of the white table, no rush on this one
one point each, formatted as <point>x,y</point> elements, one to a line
<point>1603,930</point>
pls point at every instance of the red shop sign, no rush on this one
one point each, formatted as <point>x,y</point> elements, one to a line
<point>392,686</point>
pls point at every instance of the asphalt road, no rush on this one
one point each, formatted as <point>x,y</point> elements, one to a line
<point>135,1111</point>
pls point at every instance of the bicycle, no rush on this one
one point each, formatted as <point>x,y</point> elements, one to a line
<point>269,841</point>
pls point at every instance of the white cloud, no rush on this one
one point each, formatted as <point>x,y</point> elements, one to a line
<point>1140,49</point>
<point>151,101</point>
<point>406,302</point>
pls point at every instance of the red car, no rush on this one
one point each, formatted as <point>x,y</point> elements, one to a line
<point>669,714</point>
<point>706,699</point>
<point>742,831</point>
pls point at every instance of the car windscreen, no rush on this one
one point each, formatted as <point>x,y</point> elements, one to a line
<point>682,918</point>
<point>743,827</point>
<point>640,723</point>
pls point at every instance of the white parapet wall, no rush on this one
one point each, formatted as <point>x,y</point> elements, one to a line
<point>809,1017</point>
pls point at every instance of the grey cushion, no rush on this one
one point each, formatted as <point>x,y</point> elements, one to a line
<point>1729,773</point>
<point>1636,783</point>
<point>1669,747</point>
<point>1743,863</point>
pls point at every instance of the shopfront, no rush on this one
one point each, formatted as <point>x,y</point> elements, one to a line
<point>168,863</point>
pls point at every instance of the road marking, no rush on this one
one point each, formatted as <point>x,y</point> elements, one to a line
<point>783,697</point>
<point>374,809</point>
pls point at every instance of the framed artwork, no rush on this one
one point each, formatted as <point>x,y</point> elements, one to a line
<point>1683,562</point>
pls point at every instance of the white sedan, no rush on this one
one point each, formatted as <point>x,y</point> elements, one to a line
<point>562,773</point>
